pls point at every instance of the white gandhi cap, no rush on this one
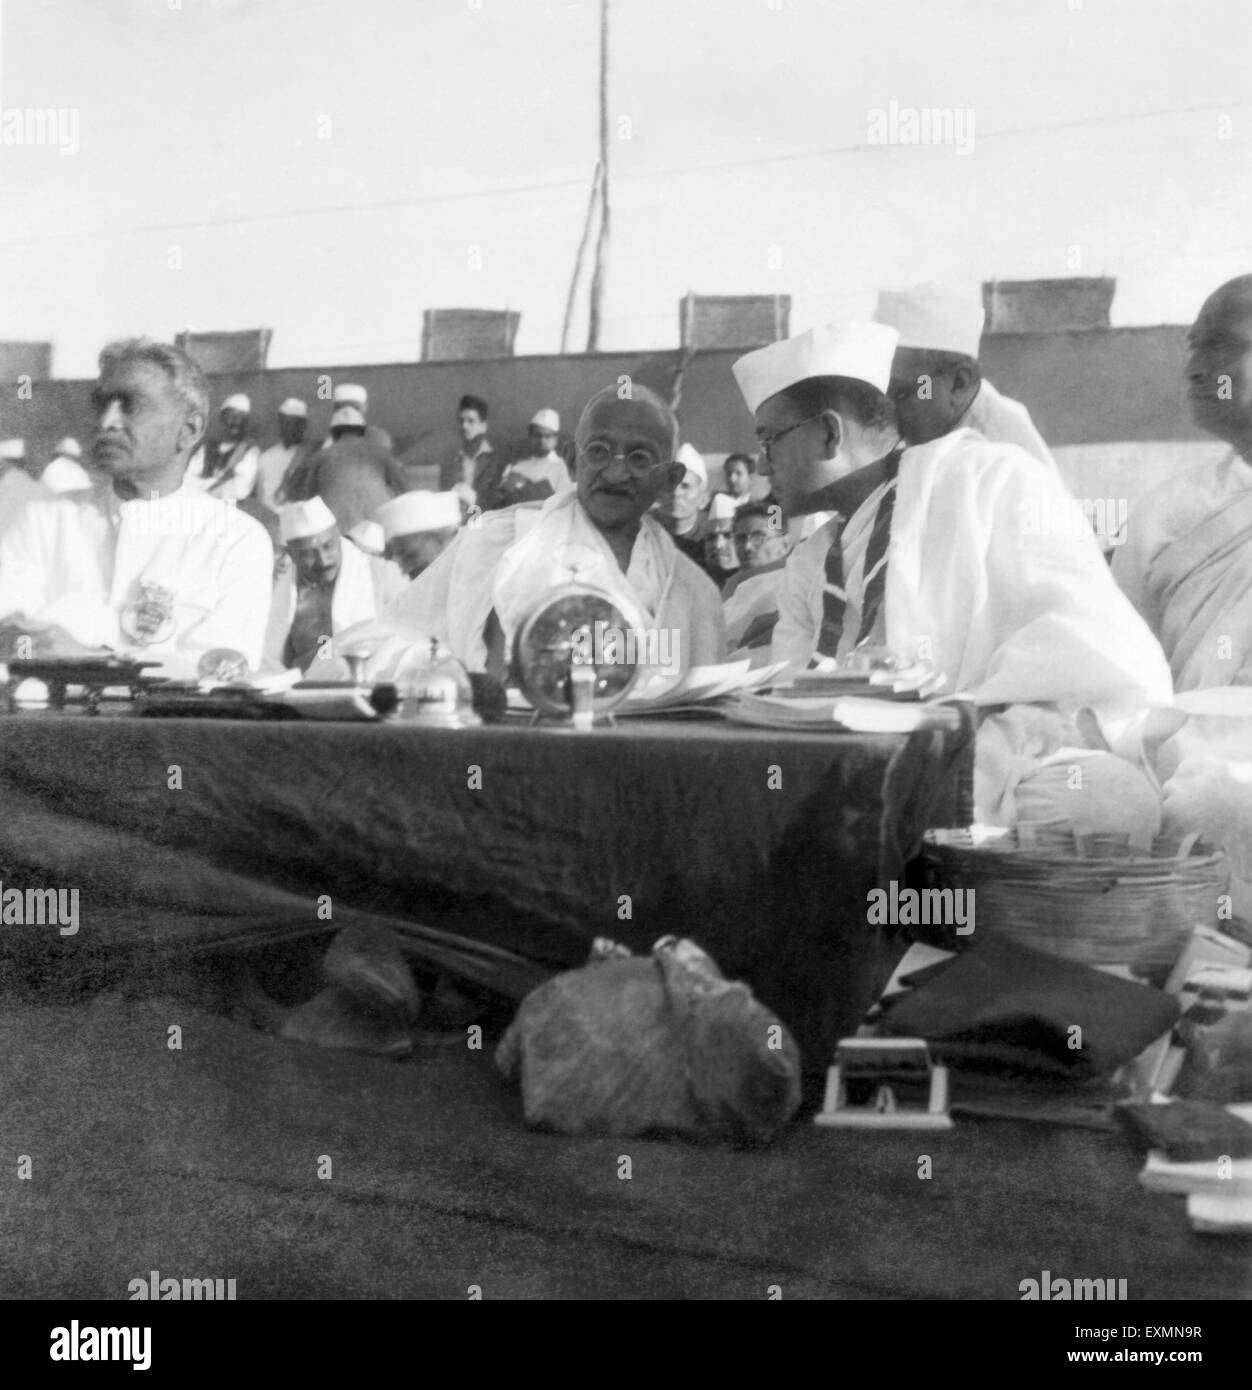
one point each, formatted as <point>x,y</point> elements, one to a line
<point>238,402</point>
<point>861,351</point>
<point>12,449</point>
<point>351,393</point>
<point>691,459</point>
<point>942,318</point>
<point>303,519</point>
<point>68,448</point>
<point>367,536</point>
<point>547,420</point>
<point>412,512</point>
<point>346,415</point>
<point>295,407</point>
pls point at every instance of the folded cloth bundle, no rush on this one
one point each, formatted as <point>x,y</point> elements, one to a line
<point>661,1044</point>
<point>1187,1131</point>
<point>1000,1006</point>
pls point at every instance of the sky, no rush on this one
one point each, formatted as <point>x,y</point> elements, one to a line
<point>331,168</point>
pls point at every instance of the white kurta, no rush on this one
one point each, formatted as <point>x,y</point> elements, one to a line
<point>65,475</point>
<point>81,564</point>
<point>1186,565</point>
<point>1005,421</point>
<point>1009,615</point>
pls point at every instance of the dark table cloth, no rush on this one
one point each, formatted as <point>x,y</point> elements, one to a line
<point>499,853</point>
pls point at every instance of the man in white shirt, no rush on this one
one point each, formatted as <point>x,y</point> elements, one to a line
<point>936,382</point>
<point>928,556</point>
<point>228,468</point>
<point>544,472</point>
<point>148,565</point>
<point>282,458</point>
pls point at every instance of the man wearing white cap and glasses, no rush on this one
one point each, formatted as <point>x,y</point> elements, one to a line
<point>936,382</point>
<point>329,587</point>
<point>927,556</point>
<point>284,457</point>
<point>150,566</point>
<point>544,472</point>
<point>418,527</point>
<point>65,471</point>
<point>227,468</point>
<point>682,507</point>
<point>349,393</point>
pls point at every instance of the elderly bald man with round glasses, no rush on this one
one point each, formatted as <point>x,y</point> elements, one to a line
<point>480,590</point>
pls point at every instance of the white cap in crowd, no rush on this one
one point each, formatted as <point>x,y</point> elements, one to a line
<point>940,317</point>
<point>346,415</point>
<point>239,402</point>
<point>412,512</point>
<point>547,419</point>
<point>861,351</point>
<point>368,536</point>
<point>690,457</point>
<point>304,519</point>
<point>68,448</point>
<point>12,450</point>
<point>294,407</point>
<point>350,394</point>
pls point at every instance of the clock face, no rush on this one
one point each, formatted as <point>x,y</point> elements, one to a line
<point>575,626</point>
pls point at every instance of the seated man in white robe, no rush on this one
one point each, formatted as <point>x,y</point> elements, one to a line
<point>329,586</point>
<point>147,565</point>
<point>927,556</point>
<point>1186,563</point>
<point>936,381</point>
<point>477,594</point>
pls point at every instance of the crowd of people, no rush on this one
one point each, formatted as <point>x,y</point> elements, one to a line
<point>883,509</point>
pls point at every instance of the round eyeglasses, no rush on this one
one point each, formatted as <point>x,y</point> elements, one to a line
<point>599,454</point>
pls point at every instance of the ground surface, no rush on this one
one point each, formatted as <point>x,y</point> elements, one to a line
<point>204,1163</point>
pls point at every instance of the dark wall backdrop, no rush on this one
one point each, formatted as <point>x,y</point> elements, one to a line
<point>1091,387</point>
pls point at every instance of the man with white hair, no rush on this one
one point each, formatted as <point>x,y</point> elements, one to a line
<point>927,555</point>
<point>228,468</point>
<point>418,527</point>
<point>478,593</point>
<point>64,471</point>
<point>541,474</point>
<point>350,393</point>
<point>936,382</point>
<point>149,566</point>
<point>328,587</point>
<point>285,457</point>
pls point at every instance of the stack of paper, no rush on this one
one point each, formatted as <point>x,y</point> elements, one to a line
<point>846,713</point>
<point>699,689</point>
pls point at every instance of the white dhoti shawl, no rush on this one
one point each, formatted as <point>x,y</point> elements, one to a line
<point>512,558</point>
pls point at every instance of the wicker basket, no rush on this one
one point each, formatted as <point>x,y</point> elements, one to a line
<point>1091,898</point>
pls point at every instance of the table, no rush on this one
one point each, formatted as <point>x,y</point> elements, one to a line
<point>500,853</point>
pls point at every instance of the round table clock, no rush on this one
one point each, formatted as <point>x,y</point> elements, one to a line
<point>571,657</point>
